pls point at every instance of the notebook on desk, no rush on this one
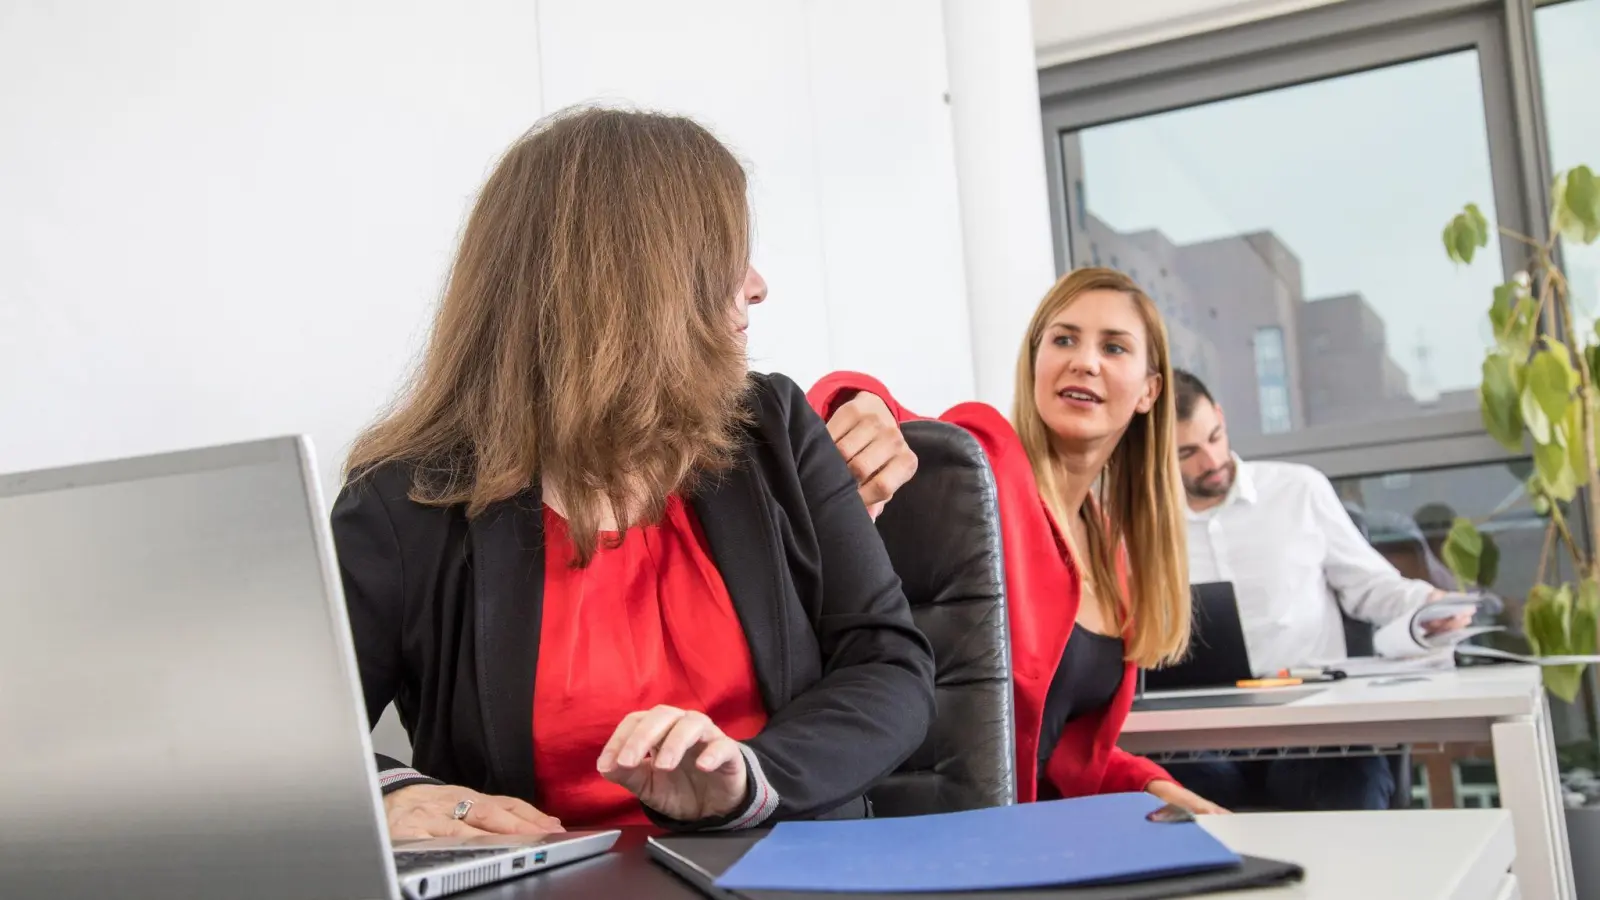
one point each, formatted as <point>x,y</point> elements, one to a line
<point>1098,847</point>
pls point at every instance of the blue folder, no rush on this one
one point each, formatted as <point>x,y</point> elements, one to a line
<point>1089,840</point>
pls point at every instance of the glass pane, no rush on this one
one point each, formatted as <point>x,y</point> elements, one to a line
<point>1569,65</point>
<point>1309,217</point>
<point>1406,516</point>
<point>1568,35</point>
<point>1273,380</point>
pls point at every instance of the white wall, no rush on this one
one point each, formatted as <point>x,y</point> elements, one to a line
<point>221,221</point>
<point>1005,215</point>
<point>1067,30</point>
<point>850,151</point>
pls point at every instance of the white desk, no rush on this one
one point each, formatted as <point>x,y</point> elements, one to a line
<point>1501,704</point>
<point>1444,854</point>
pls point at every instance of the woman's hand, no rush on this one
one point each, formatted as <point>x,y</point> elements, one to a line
<point>1178,795</point>
<point>869,438</point>
<point>678,763</point>
<point>428,810</point>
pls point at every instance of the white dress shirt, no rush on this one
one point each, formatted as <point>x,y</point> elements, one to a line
<point>1284,540</point>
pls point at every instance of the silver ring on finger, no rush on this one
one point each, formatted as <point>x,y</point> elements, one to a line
<point>461,810</point>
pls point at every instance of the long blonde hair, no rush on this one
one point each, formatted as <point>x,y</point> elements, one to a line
<point>1140,492</point>
<point>585,339</point>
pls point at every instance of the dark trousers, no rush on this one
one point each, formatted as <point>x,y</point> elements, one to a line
<point>1347,782</point>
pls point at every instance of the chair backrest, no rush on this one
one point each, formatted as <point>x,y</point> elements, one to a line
<point>1358,635</point>
<point>942,530</point>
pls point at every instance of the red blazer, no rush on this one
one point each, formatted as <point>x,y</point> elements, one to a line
<point>1042,591</point>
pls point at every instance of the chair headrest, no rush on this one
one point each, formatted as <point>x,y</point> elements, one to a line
<point>942,528</point>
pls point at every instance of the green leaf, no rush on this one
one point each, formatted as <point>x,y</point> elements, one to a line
<point>1513,316</point>
<point>1578,206</point>
<point>1551,461</point>
<point>1585,630</point>
<point>1591,357</point>
<point>1499,403</point>
<point>1488,563</point>
<point>1550,380</point>
<point>1572,434</point>
<point>1534,418</point>
<point>1505,297</point>
<point>1468,231</point>
<point>1478,223</point>
<point>1449,237</point>
<point>1562,220</point>
<point>1563,681</point>
<point>1463,550</point>
<point>1538,495</point>
<point>1547,620</point>
<point>1505,301</point>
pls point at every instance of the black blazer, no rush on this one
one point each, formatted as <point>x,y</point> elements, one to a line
<point>446,612</point>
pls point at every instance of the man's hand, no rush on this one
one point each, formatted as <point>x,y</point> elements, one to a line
<point>1454,623</point>
<point>1440,626</point>
<point>870,440</point>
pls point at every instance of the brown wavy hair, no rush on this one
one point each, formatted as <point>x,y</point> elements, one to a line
<point>585,339</point>
<point>1140,492</point>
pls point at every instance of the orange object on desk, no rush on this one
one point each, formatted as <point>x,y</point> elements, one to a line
<point>1269,682</point>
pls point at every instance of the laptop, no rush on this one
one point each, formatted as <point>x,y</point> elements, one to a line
<point>1218,658</point>
<point>180,711</point>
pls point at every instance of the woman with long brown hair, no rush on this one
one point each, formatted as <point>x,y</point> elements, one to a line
<point>606,575</point>
<point>1092,525</point>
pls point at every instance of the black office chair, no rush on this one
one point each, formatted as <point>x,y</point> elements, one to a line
<point>942,530</point>
<point>1358,641</point>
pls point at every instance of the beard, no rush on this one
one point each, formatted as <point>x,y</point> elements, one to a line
<point>1213,484</point>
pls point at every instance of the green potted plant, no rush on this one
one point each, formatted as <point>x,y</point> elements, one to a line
<point>1543,389</point>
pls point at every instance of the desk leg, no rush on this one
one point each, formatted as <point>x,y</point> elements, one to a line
<point>1521,767</point>
<point>1555,802</point>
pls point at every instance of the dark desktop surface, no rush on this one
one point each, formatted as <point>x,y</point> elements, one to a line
<point>625,872</point>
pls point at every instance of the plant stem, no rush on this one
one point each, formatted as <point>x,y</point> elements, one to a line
<point>1586,400</point>
<point>1519,236</point>
<point>1556,285</point>
<point>1560,522</point>
<point>1520,498</point>
<point>1544,552</point>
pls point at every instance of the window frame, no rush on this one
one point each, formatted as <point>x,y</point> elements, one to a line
<point>1326,42</point>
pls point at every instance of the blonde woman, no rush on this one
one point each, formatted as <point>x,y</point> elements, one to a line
<point>1091,510</point>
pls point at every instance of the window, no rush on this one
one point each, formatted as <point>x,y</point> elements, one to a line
<point>1407,516</point>
<point>1272,381</point>
<point>1568,35</point>
<point>1289,178</point>
<point>1312,212</point>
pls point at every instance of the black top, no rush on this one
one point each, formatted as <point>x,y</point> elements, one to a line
<point>445,613</point>
<point>1088,678</point>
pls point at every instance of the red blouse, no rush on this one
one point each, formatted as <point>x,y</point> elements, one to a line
<point>646,623</point>
<point>1042,594</point>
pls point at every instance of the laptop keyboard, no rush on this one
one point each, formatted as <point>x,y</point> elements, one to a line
<point>418,860</point>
